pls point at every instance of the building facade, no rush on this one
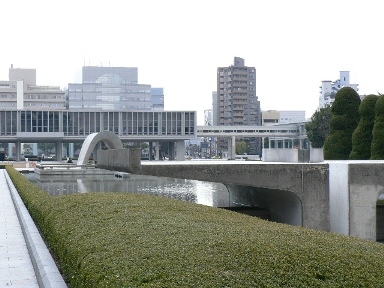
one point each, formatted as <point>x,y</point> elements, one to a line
<point>328,89</point>
<point>236,100</point>
<point>21,92</point>
<point>270,117</point>
<point>287,117</point>
<point>113,88</point>
<point>214,108</point>
<point>166,130</point>
<point>237,103</point>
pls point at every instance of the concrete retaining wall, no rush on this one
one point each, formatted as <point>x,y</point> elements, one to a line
<point>338,196</point>
<point>309,182</point>
<point>365,186</point>
<point>293,155</point>
<point>125,160</point>
<point>281,155</point>
<point>316,155</point>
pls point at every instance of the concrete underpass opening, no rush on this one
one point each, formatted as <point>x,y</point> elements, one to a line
<point>282,206</point>
<point>380,219</point>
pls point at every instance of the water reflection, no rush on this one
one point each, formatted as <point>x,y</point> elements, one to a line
<point>206,193</point>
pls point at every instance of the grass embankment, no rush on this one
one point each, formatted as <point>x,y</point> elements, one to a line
<point>130,240</point>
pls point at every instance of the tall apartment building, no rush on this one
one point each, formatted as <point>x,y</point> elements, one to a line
<point>237,102</point>
<point>328,89</point>
<point>21,92</point>
<point>113,88</point>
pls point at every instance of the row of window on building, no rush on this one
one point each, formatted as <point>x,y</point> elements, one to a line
<point>83,123</point>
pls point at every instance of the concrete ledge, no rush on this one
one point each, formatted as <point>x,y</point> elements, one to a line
<point>45,267</point>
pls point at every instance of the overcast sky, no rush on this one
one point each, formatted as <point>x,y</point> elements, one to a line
<point>178,45</point>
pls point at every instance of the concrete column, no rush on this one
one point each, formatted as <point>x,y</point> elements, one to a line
<point>232,148</point>
<point>157,150</point>
<point>171,150</point>
<point>180,150</point>
<point>71,148</point>
<point>150,151</point>
<point>10,149</point>
<point>34,149</point>
<point>59,151</point>
<point>18,150</point>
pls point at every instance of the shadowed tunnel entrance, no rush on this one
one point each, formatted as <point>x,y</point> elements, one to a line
<point>282,206</point>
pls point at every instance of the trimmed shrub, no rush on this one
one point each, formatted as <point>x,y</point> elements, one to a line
<point>377,147</point>
<point>362,136</point>
<point>37,201</point>
<point>345,117</point>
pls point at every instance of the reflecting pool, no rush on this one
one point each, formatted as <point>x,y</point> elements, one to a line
<point>206,193</point>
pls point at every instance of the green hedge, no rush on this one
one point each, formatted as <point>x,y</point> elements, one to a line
<point>132,240</point>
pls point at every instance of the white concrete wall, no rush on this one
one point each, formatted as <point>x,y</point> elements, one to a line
<point>339,197</point>
<point>281,155</point>
<point>316,155</point>
<point>291,155</point>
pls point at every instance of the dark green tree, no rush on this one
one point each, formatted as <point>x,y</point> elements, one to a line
<point>47,148</point>
<point>241,147</point>
<point>345,117</point>
<point>318,128</point>
<point>377,147</point>
<point>362,136</point>
<point>27,149</point>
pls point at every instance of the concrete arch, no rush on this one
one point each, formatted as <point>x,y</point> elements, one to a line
<point>108,137</point>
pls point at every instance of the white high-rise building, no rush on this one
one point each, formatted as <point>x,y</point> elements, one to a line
<point>328,89</point>
<point>208,117</point>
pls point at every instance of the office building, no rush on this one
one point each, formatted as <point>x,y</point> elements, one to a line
<point>113,88</point>
<point>328,89</point>
<point>21,92</point>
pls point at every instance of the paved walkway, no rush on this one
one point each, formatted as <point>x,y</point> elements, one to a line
<point>24,259</point>
<point>16,269</point>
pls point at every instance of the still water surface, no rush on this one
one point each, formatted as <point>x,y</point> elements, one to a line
<point>206,193</point>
